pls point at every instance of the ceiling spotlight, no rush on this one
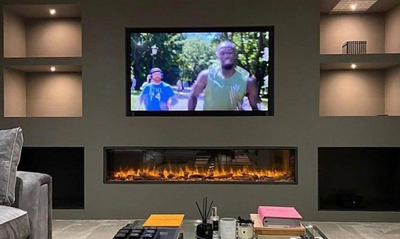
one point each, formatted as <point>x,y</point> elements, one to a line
<point>53,11</point>
<point>53,68</point>
<point>353,66</point>
<point>353,5</point>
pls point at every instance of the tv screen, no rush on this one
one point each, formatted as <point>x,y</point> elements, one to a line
<point>200,71</point>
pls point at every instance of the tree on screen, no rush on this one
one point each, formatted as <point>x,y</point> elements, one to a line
<point>197,55</point>
<point>142,60</point>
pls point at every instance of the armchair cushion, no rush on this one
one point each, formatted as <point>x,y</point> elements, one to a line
<point>11,141</point>
<point>14,223</point>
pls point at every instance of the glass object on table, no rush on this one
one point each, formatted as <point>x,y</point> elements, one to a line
<point>313,232</point>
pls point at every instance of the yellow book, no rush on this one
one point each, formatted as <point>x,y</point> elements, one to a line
<point>164,220</point>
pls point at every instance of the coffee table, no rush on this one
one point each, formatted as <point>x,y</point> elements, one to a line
<point>189,231</point>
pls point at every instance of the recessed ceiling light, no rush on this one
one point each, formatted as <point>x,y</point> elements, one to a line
<point>353,5</point>
<point>53,68</point>
<point>53,11</point>
<point>353,66</point>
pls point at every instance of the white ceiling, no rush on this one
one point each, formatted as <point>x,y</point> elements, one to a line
<point>381,6</point>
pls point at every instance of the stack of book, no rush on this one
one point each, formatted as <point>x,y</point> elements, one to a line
<point>277,221</point>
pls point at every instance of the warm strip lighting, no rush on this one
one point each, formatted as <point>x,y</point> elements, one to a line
<point>353,66</point>
<point>53,11</point>
<point>353,5</point>
<point>53,69</point>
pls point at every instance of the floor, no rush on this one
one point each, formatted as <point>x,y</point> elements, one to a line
<point>106,229</point>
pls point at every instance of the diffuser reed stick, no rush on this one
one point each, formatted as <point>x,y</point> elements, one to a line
<point>205,211</point>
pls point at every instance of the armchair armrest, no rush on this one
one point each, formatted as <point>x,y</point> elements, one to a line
<point>33,193</point>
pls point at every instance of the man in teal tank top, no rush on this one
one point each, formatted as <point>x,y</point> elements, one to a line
<point>224,86</point>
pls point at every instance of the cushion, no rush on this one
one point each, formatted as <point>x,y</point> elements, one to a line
<point>11,141</point>
<point>14,223</point>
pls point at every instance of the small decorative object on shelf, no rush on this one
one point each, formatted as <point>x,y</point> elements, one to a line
<point>204,230</point>
<point>354,47</point>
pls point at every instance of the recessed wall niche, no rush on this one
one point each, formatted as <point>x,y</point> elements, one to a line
<point>42,53</point>
<point>378,27</point>
<point>66,166</point>
<point>358,178</point>
<point>31,31</point>
<point>360,83</point>
<point>372,90</point>
<point>35,91</point>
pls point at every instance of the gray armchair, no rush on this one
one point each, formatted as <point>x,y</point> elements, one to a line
<point>25,197</point>
<point>30,216</point>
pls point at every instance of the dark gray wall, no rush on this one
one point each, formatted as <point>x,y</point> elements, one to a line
<point>296,121</point>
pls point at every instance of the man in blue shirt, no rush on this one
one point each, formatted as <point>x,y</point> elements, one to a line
<point>157,95</point>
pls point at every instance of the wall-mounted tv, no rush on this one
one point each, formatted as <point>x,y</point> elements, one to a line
<point>215,71</point>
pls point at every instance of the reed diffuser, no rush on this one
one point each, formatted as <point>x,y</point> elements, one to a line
<point>204,230</point>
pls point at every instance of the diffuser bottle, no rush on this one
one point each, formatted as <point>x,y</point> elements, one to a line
<point>215,223</point>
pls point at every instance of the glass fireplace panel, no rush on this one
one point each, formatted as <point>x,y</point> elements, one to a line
<point>206,165</point>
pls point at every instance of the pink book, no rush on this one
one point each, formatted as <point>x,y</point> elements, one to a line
<point>279,216</point>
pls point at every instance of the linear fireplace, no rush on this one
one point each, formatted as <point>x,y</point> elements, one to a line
<point>200,165</point>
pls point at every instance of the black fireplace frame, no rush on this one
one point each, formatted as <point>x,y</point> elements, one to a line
<point>105,148</point>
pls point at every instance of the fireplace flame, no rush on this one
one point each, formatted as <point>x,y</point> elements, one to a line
<point>186,173</point>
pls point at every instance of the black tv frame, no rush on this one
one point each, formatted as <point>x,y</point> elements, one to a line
<point>271,84</point>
